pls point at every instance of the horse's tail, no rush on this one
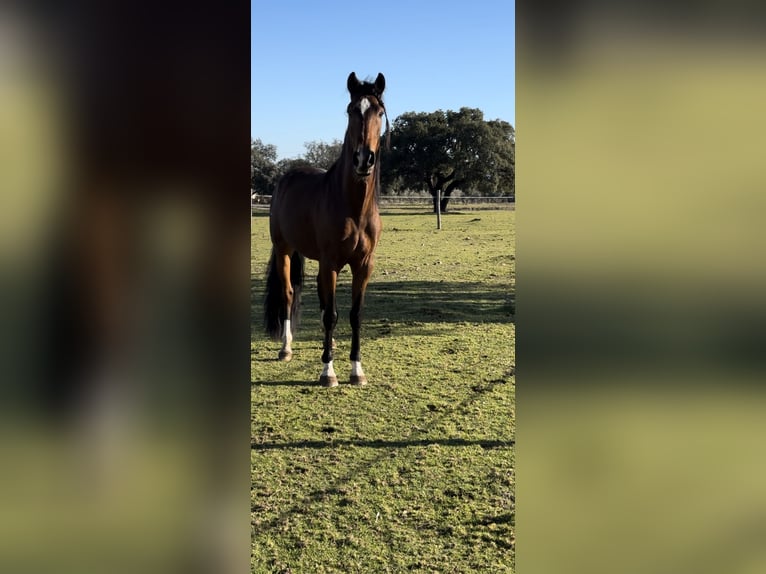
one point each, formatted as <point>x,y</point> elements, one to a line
<point>272,303</point>
<point>273,312</point>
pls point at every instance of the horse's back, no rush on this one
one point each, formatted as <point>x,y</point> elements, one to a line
<point>294,207</point>
<point>296,182</point>
<point>297,174</point>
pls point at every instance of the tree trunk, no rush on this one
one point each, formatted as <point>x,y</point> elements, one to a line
<point>431,189</point>
<point>448,192</point>
<point>436,183</point>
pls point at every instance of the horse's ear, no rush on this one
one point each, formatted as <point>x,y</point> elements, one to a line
<point>380,84</point>
<point>353,84</point>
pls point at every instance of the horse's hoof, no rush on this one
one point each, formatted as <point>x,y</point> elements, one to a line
<point>285,356</point>
<point>358,380</point>
<point>328,381</point>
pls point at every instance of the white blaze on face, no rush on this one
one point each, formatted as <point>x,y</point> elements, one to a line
<point>364,105</point>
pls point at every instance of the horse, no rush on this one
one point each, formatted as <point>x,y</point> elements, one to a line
<point>331,217</point>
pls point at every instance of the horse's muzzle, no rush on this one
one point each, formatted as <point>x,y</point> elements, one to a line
<point>364,161</point>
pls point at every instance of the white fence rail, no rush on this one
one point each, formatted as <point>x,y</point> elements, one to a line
<point>261,202</point>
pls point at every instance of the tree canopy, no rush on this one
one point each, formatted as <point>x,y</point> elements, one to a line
<point>321,154</point>
<point>443,151</point>
<point>439,152</point>
<point>263,166</point>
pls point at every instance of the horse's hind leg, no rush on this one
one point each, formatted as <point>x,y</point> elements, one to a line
<point>283,268</point>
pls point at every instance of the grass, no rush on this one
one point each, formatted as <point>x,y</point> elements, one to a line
<point>415,471</point>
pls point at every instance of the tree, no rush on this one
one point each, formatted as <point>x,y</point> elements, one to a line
<point>502,160</point>
<point>285,165</point>
<point>321,154</point>
<point>263,166</point>
<point>444,151</point>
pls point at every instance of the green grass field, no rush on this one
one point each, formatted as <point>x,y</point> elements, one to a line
<point>415,471</point>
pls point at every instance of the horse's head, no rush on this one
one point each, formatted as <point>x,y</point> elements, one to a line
<point>365,113</point>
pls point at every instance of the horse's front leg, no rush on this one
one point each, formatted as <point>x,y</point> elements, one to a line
<point>327,281</point>
<point>321,309</point>
<point>358,287</point>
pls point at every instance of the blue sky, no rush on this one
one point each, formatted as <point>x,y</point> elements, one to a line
<point>434,55</point>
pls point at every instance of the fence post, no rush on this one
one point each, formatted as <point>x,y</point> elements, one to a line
<point>438,209</point>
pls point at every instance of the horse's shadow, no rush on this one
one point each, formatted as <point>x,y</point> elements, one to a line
<point>295,383</point>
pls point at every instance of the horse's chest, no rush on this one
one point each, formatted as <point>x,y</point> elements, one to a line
<point>352,236</point>
<point>356,239</point>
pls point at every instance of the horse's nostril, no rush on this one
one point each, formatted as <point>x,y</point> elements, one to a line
<point>371,159</point>
<point>356,159</point>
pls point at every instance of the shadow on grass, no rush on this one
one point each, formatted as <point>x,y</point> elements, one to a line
<point>315,444</point>
<point>440,301</point>
<point>381,449</point>
<point>286,384</point>
<point>407,302</point>
<point>507,518</point>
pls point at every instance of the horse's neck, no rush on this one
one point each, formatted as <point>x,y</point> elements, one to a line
<point>358,196</point>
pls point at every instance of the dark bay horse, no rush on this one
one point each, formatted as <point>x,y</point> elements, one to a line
<point>332,217</point>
